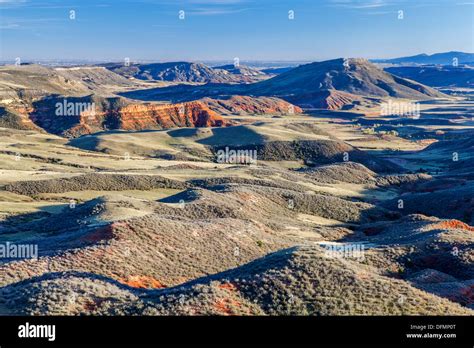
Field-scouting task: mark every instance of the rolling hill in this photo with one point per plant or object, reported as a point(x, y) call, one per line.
point(185, 72)
point(332, 84)
point(357, 77)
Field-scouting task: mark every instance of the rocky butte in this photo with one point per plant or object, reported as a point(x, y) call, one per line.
point(116, 114)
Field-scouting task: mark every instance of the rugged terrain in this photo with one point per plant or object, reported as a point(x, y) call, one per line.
point(188, 72)
point(333, 84)
point(31, 96)
point(134, 210)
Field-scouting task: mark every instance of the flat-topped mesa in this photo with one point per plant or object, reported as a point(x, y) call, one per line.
point(114, 113)
point(190, 114)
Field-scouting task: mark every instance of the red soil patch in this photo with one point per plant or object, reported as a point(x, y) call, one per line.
point(102, 233)
point(143, 282)
point(228, 286)
point(224, 306)
point(245, 196)
point(453, 224)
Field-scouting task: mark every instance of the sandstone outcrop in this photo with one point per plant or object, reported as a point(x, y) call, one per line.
point(115, 113)
point(246, 105)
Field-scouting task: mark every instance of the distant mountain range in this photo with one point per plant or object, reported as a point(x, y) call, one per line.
point(445, 58)
point(437, 76)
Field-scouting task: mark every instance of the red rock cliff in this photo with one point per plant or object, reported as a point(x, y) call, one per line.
point(136, 116)
point(191, 114)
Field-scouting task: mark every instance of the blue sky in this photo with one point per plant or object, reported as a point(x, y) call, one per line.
point(222, 30)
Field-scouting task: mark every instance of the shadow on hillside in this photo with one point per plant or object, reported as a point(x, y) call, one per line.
point(233, 136)
point(332, 114)
point(184, 93)
point(442, 259)
point(53, 233)
point(15, 224)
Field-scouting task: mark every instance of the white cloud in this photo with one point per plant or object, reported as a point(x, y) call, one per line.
point(360, 4)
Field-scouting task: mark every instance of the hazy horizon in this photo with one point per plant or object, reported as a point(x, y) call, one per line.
point(205, 61)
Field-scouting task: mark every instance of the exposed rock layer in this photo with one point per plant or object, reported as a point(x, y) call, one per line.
point(114, 113)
